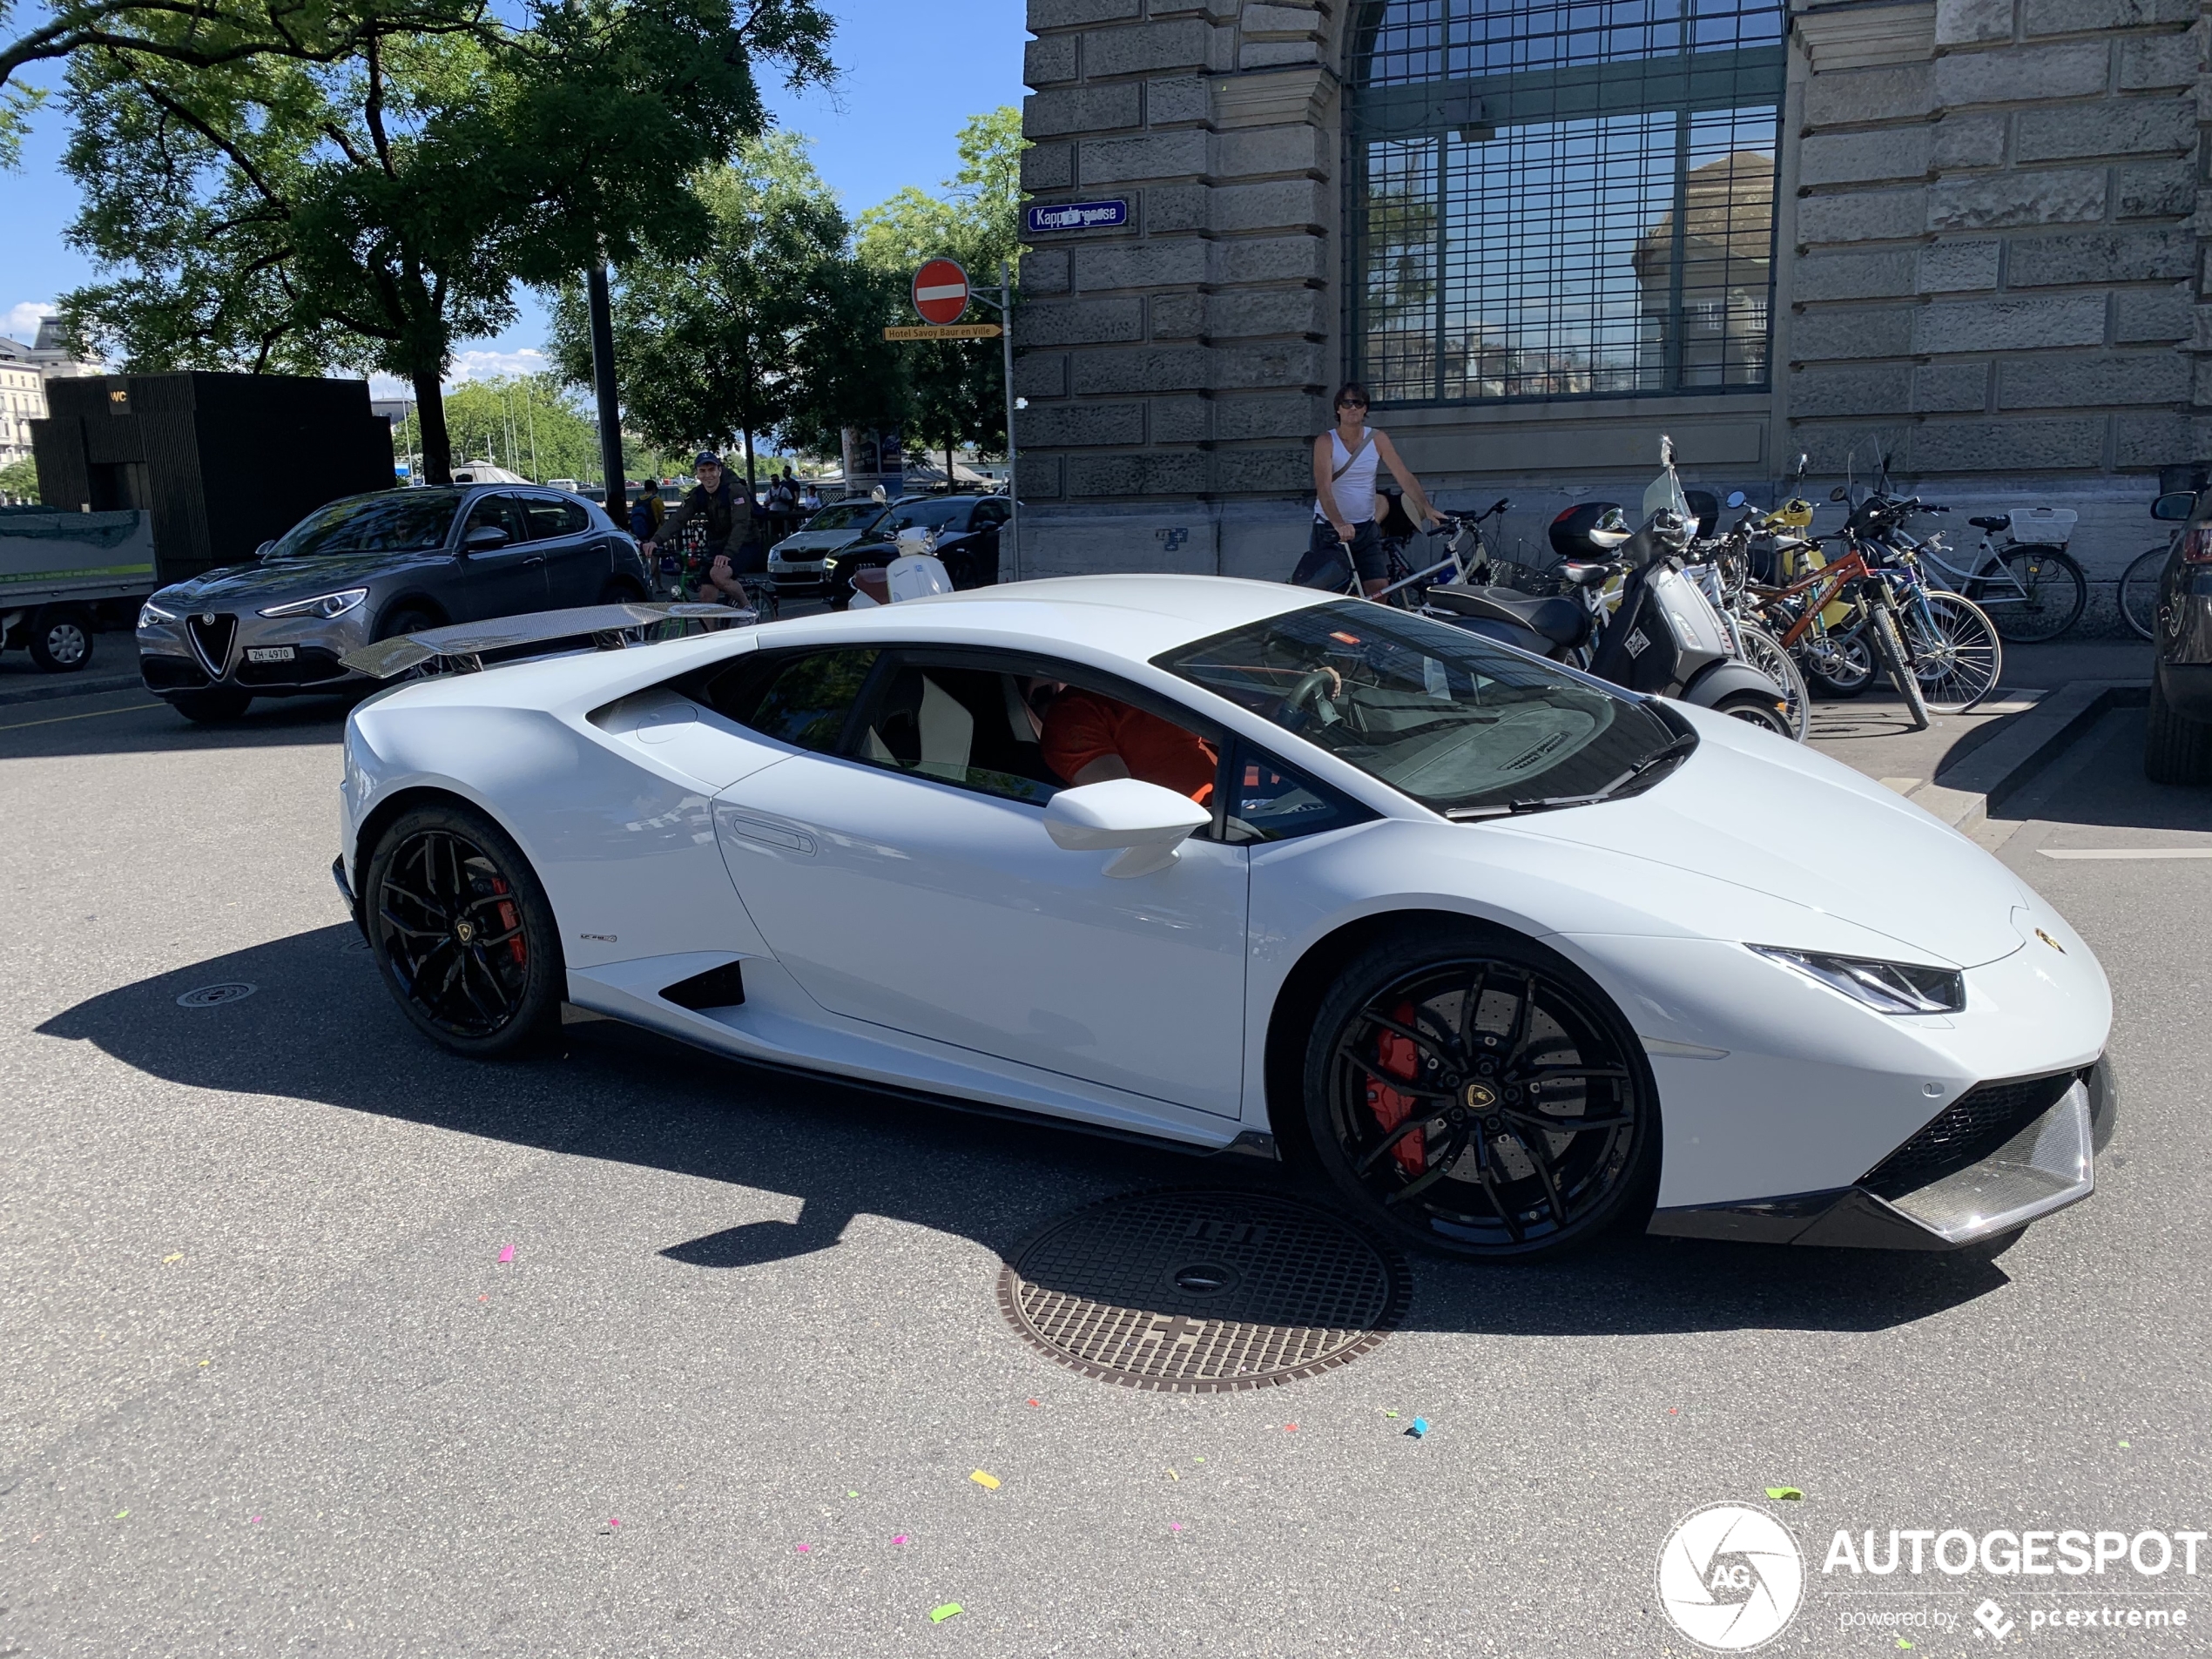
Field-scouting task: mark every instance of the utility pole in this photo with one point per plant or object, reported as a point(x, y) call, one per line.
point(1006, 343)
point(603, 389)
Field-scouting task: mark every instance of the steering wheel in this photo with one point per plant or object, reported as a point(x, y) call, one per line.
point(1310, 686)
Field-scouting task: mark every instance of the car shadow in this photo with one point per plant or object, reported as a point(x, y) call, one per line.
point(133, 721)
point(322, 1027)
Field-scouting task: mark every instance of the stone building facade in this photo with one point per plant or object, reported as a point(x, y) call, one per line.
point(1964, 233)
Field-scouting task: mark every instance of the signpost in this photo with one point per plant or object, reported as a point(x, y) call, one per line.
point(941, 293)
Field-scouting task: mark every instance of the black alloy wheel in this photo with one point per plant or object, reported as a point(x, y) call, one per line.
point(464, 933)
point(1478, 1094)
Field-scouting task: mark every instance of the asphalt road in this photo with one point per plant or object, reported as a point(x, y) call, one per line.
point(270, 1388)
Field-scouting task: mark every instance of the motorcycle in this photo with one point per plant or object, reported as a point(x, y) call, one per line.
point(1629, 614)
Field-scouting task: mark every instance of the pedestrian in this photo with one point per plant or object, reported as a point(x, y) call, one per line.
point(710, 523)
point(1345, 459)
point(642, 520)
point(810, 499)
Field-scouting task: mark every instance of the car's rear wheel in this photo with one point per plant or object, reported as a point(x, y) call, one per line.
point(2175, 749)
point(1479, 1096)
point(464, 933)
point(217, 707)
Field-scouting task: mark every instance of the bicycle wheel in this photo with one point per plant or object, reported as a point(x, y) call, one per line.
point(1956, 653)
point(1763, 651)
point(2051, 593)
point(1882, 626)
point(766, 603)
point(2139, 591)
point(1839, 666)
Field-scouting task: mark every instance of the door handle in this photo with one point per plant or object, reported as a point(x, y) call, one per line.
point(535, 558)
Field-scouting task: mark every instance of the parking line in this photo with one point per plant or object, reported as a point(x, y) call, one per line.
point(2126, 851)
point(94, 714)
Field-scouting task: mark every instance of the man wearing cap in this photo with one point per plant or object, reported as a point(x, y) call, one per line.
point(704, 523)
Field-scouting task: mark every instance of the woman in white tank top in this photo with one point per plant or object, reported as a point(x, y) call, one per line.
point(1345, 459)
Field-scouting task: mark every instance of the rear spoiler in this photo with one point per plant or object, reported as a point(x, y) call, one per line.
point(461, 648)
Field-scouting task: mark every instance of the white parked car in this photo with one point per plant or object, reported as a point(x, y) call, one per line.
point(1511, 955)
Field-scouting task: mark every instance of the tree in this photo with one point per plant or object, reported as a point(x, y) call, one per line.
point(527, 423)
point(773, 329)
point(205, 34)
point(19, 480)
point(956, 387)
point(372, 211)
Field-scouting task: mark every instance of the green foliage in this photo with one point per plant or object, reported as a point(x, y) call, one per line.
point(19, 480)
point(956, 389)
point(527, 423)
point(773, 329)
point(369, 211)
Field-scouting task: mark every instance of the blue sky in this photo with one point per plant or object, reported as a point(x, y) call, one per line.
point(891, 122)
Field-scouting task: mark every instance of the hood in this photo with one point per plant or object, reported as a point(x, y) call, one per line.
point(286, 578)
point(1778, 819)
point(813, 544)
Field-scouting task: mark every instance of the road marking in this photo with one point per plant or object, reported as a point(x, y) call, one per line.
point(2126, 851)
point(57, 720)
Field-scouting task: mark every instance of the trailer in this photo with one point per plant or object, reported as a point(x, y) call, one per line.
point(65, 575)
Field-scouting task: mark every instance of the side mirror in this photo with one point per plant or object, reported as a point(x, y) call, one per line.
point(1736, 498)
point(483, 538)
point(1146, 821)
point(2178, 507)
point(1839, 494)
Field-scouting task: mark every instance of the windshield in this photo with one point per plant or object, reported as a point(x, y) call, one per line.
point(1436, 712)
point(929, 513)
point(845, 515)
point(399, 520)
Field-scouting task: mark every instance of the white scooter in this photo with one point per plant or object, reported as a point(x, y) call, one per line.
point(915, 574)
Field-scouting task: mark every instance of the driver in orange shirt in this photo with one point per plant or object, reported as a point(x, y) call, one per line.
point(1089, 738)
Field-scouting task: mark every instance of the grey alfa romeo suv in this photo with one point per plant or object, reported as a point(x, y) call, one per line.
point(369, 567)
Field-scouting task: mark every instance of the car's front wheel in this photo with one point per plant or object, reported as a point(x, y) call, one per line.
point(1479, 1096)
point(464, 933)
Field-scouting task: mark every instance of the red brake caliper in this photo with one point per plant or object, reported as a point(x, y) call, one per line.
point(510, 921)
point(1398, 1057)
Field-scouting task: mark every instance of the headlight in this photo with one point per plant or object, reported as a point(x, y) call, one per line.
point(1887, 987)
point(829, 564)
point(325, 605)
point(150, 613)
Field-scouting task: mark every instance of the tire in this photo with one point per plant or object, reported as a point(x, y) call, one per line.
point(2056, 588)
point(1962, 664)
point(1501, 1196)
point(216, 707)
point(406, 619)
point(1763, 651)
point(617, 592)
point(1847, 671)
point(61, 640)
point(451, 899)
point(1891, 649)
point(840, 595)
point(2139, 588)
point(1754, 708)
point(2175, 749)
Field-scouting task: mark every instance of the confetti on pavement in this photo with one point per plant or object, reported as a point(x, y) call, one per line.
point(1785, 1494)
point(898, 1538)
point(989, 1482)
point(507, 1252)
point(939, 1614)
point(178, 1257)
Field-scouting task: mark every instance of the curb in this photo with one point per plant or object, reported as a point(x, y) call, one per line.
point(53, 686)
point(1962, 796)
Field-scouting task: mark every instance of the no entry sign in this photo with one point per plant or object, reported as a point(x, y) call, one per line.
point(941, 292)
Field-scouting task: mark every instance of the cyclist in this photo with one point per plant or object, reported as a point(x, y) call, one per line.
point(1345, 459)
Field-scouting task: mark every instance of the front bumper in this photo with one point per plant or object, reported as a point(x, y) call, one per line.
point(188, 655)
point(1948, 1186)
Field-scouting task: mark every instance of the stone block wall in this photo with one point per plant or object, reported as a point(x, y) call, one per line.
point(1996, 266)
point(1187, 356)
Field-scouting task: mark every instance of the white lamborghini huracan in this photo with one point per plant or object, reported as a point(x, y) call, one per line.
point(1512, 955)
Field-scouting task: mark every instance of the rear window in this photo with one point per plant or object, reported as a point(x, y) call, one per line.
point(398, 521)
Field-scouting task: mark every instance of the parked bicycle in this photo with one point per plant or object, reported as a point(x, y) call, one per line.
point(2029, 585)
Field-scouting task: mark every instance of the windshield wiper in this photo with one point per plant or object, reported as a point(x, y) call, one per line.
point(1674, 750)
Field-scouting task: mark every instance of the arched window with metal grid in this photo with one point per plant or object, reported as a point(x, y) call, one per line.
point(1555, 199)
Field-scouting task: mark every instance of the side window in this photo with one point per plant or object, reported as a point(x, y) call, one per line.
point(550, 517)
point(1270, 803)
point(499, 510)
point(802, 700)
point(975, 727)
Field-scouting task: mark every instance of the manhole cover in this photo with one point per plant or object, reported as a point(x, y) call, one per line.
point(1198, 1292)
point(211, 996)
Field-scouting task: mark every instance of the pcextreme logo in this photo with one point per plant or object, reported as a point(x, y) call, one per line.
point(1730, 1578)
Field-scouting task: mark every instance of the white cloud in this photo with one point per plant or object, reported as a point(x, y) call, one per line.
point(22, 320)
point(468, 365)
